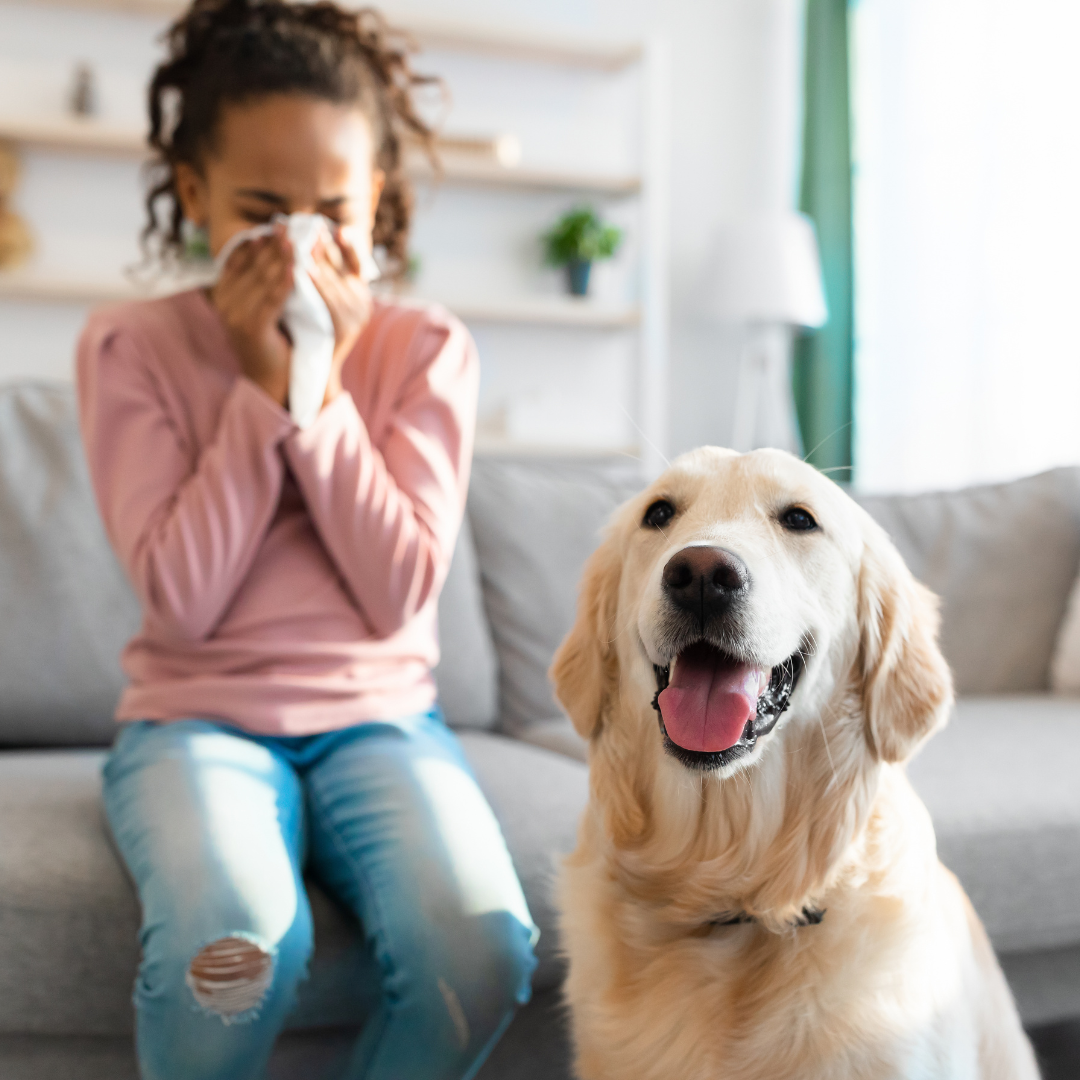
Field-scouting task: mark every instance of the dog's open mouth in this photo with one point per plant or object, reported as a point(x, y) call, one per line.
point(713, 707)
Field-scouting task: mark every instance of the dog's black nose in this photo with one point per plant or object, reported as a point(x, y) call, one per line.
point(705, 580)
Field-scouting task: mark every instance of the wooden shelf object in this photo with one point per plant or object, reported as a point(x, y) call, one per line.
point(543, 311)
point(71, 133)
point(32, 285)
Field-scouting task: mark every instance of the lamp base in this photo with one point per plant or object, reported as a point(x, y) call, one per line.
point(764, 405)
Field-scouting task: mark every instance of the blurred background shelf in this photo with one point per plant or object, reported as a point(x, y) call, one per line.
point(23, 285)
point(436, 34)
point(493, 446)
point(553, 311)
point(72, 133)
point(94, 136)
point(544, 312)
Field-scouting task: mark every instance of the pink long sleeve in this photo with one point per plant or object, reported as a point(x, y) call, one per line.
point(288, 579)
point(185, 522)
point(389, 518)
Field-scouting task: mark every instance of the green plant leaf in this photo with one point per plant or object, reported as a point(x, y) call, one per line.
point(580, 235)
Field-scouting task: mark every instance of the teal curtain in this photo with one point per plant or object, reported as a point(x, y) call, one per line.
point(823, 365)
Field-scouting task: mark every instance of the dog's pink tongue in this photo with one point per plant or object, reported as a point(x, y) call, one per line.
point(709, 699)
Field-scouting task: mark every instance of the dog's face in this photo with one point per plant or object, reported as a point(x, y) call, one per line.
point(741, 595)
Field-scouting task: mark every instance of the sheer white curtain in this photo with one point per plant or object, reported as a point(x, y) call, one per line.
point(967, 221)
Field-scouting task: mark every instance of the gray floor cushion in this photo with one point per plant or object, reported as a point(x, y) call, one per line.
point(68, 915)
point(1002, 783)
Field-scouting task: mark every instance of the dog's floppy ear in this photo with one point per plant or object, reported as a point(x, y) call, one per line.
point(906, 684)
point(585, 668)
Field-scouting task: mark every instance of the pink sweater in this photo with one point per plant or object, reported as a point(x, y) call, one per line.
point(288, 578)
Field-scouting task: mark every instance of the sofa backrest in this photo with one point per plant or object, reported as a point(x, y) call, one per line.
point(67, 610)
point(1003, 558)
point(536, 519)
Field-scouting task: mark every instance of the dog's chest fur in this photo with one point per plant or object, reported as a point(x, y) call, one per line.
point(742, 1002)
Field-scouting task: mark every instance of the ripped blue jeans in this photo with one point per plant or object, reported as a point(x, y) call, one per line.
point(217, 828)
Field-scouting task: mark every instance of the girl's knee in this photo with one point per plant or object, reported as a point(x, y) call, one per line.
point(230, 977)
point(471, 986)
point(506, 958)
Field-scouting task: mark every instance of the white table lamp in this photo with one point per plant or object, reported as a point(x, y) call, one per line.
point(767, 277)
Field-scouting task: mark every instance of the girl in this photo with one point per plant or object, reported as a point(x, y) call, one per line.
point(281, 714)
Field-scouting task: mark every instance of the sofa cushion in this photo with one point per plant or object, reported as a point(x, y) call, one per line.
point(468, 673)
point(1000, 782)
point(66, 609)
point(536, 521)
point(1003, 559)
point(69, 916)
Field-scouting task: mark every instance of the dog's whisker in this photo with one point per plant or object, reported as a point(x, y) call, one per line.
point(831, 435)
point(649, 441)
point(746, 778)
point(828, 750)
point(618, 633)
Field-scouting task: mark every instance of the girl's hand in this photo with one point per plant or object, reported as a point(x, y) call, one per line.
point(249, 296)
point(336, 275)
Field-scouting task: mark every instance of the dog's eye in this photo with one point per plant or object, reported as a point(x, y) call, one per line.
point(659, 514)
point(797, 519)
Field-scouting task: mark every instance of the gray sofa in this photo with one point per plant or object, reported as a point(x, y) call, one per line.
point(1001, 781)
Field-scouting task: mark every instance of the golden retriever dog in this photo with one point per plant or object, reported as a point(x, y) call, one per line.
point(756, 894)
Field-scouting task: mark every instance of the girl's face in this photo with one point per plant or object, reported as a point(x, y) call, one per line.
point(284, 154)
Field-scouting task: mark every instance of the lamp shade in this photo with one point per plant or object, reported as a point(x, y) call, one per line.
point(767, 269)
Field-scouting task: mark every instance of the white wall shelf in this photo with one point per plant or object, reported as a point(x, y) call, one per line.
point(22, 285)
point(553, 311)
point(481, 173)
point(434, 34)
point(487, 446)
point(73, 134)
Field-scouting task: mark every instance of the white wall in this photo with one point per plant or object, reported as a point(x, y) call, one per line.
point(734, 135)
point(735, 125)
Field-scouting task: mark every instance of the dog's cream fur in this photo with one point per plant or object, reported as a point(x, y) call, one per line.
point(899, 979)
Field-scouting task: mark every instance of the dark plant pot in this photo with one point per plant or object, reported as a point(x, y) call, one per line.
point(577, 276)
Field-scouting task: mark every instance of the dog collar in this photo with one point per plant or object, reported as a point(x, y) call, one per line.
point(809, 917)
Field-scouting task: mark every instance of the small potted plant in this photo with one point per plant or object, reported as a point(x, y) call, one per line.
point(578, 239)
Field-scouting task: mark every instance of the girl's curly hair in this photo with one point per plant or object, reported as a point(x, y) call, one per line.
point(228, 51)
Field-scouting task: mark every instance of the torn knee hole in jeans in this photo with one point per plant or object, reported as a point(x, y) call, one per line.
point(230, 976)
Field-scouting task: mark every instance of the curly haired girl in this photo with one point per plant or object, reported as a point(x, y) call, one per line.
point(281, 718)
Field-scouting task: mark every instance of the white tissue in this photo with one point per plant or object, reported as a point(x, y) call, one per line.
point(306, 315)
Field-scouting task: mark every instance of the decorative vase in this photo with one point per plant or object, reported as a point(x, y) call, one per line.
point(577, 276)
